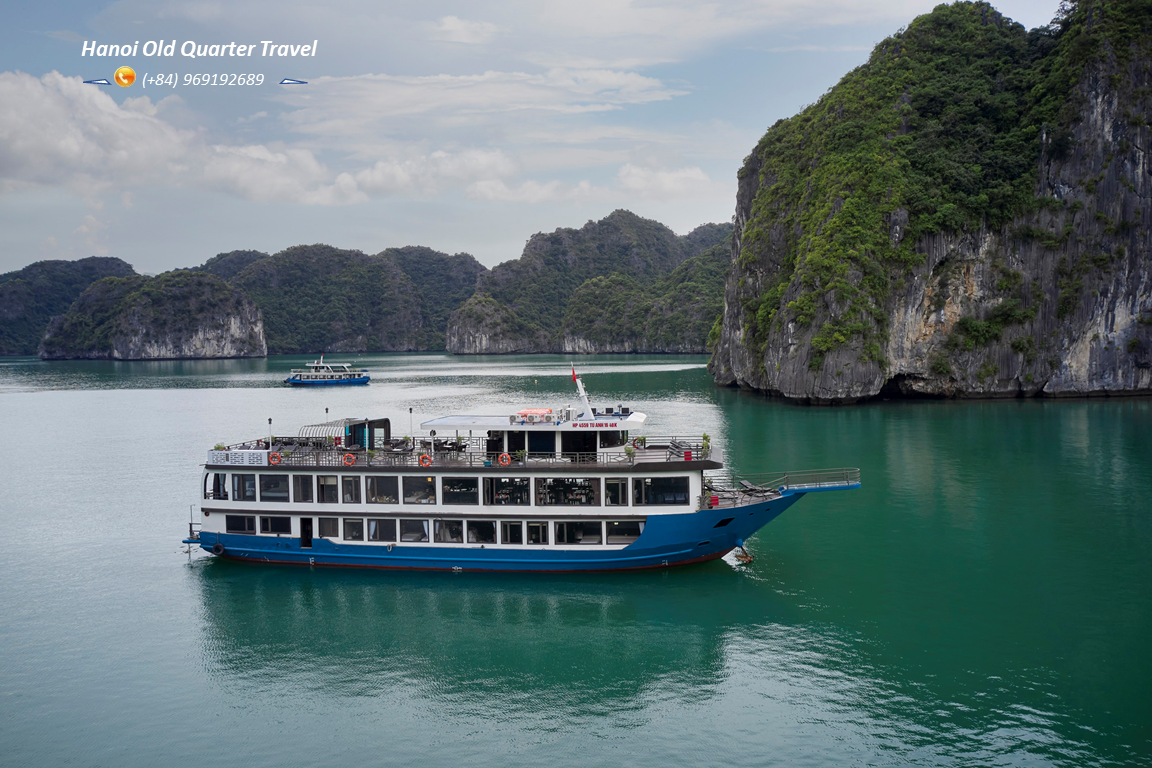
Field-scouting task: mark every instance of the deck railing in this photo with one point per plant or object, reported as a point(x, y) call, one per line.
point(728, 490)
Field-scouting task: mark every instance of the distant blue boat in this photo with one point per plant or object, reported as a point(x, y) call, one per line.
point(322, 374)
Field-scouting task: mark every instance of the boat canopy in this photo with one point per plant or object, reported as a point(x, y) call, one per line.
point(351, 430)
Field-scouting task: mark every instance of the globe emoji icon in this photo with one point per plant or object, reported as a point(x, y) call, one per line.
point(125, 76)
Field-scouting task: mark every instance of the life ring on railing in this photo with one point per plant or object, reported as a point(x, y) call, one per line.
point(217, 548)
point(636, 442)
point(504, 459)
point(425, 460)
point(349, 459)
point(273, 458)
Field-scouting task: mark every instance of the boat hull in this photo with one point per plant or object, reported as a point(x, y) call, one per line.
point(668, 540)
point(333, 383)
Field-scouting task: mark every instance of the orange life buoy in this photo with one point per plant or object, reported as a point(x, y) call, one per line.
point(273, 458)
point(425, 460)
point(504, 459)
point(349, 459)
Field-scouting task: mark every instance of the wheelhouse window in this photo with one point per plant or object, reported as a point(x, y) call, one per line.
point(413, 530)
point(381, 530)
point(616, 492)
point(329, 528)
point(449, 531)
point(660, 490)
point(243, 487)
point(419, 490)
point(542, 443)
point(578, 446)
point(507, 491)
point(275, 525)
point(239, 524)
point(274, 488)
point(568, 491)
point(350, 490)
point(481, 531)
point(538, 533)
point(216, 486)
point(613, 438)
point(353, 529)
point(623, 531)
point(512, 532)
point(302, 488)
point(383, 490)
point(327, 488)
point(461, 490)
point(517, 441)
point(578, 532)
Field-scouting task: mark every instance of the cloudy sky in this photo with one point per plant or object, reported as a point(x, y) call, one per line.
point(460, 126)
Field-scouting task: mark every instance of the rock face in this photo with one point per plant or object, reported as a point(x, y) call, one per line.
point(595, 289)
point(1054, 299)
point(30, 297)
point(177, 315)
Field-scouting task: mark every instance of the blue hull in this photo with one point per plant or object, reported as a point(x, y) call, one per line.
point(335, 383)
point(667, 540)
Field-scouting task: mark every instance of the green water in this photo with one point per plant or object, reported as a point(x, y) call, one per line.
point(984, 599)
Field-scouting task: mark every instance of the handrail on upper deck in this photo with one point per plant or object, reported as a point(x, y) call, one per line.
point(729, 490)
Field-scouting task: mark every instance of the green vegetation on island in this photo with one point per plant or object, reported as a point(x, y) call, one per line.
point(32, 296)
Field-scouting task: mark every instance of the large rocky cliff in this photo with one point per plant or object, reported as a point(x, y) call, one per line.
point(177, 315)
point(31, 297)
point(621, 284)
point(884, 246)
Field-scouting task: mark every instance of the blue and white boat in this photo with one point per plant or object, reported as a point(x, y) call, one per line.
point(322, 374)
point(536, 490)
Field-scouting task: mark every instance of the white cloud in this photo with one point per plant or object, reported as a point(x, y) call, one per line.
point(663, 183)
point(531, 191)
point(453, 29)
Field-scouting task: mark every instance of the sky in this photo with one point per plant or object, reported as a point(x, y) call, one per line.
point(458, 126)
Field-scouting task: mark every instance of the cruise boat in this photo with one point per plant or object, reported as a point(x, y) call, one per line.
point(536, 490)
point(322, 374)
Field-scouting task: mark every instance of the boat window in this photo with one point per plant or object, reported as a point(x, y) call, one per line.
point(578, 532)
point(516, 442)
point(302, 488)
point(329, 527)
point(481, 531)
point(244, 487)
point(350, 490)
point(327, 489)
point(449, 531)
point(383, 490)
point(216, 486)
point(564, 491)
point(381, 530)
point(461, 490)
point(542, 442)
point(512, 532)
point(507, 491)
point(353, 529)
point(413, 530)
point(273, 487)
point(660, 490)
point(538, 533)
point(275, 525)
point(419, 490)
point(611, 438)
point(239, 524)
point(623, 531)
point(616, 492)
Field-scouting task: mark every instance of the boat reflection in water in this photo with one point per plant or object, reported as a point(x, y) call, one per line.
point(555, 643)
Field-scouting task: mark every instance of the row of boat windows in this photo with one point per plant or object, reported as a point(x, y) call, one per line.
point(497, 491)
point(451, 531)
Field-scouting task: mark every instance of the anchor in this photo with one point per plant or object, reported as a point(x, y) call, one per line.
point(743, 555)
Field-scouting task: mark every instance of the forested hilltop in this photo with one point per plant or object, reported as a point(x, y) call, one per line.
point(30, 297)
point(621, 284)
point(965, 214)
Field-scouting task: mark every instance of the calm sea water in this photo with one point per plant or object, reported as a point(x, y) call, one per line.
point(984, 599)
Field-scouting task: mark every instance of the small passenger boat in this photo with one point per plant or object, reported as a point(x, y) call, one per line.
point(535, 490)
point(322, 374)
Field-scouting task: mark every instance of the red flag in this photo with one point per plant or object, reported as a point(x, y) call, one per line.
point(573, 373)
